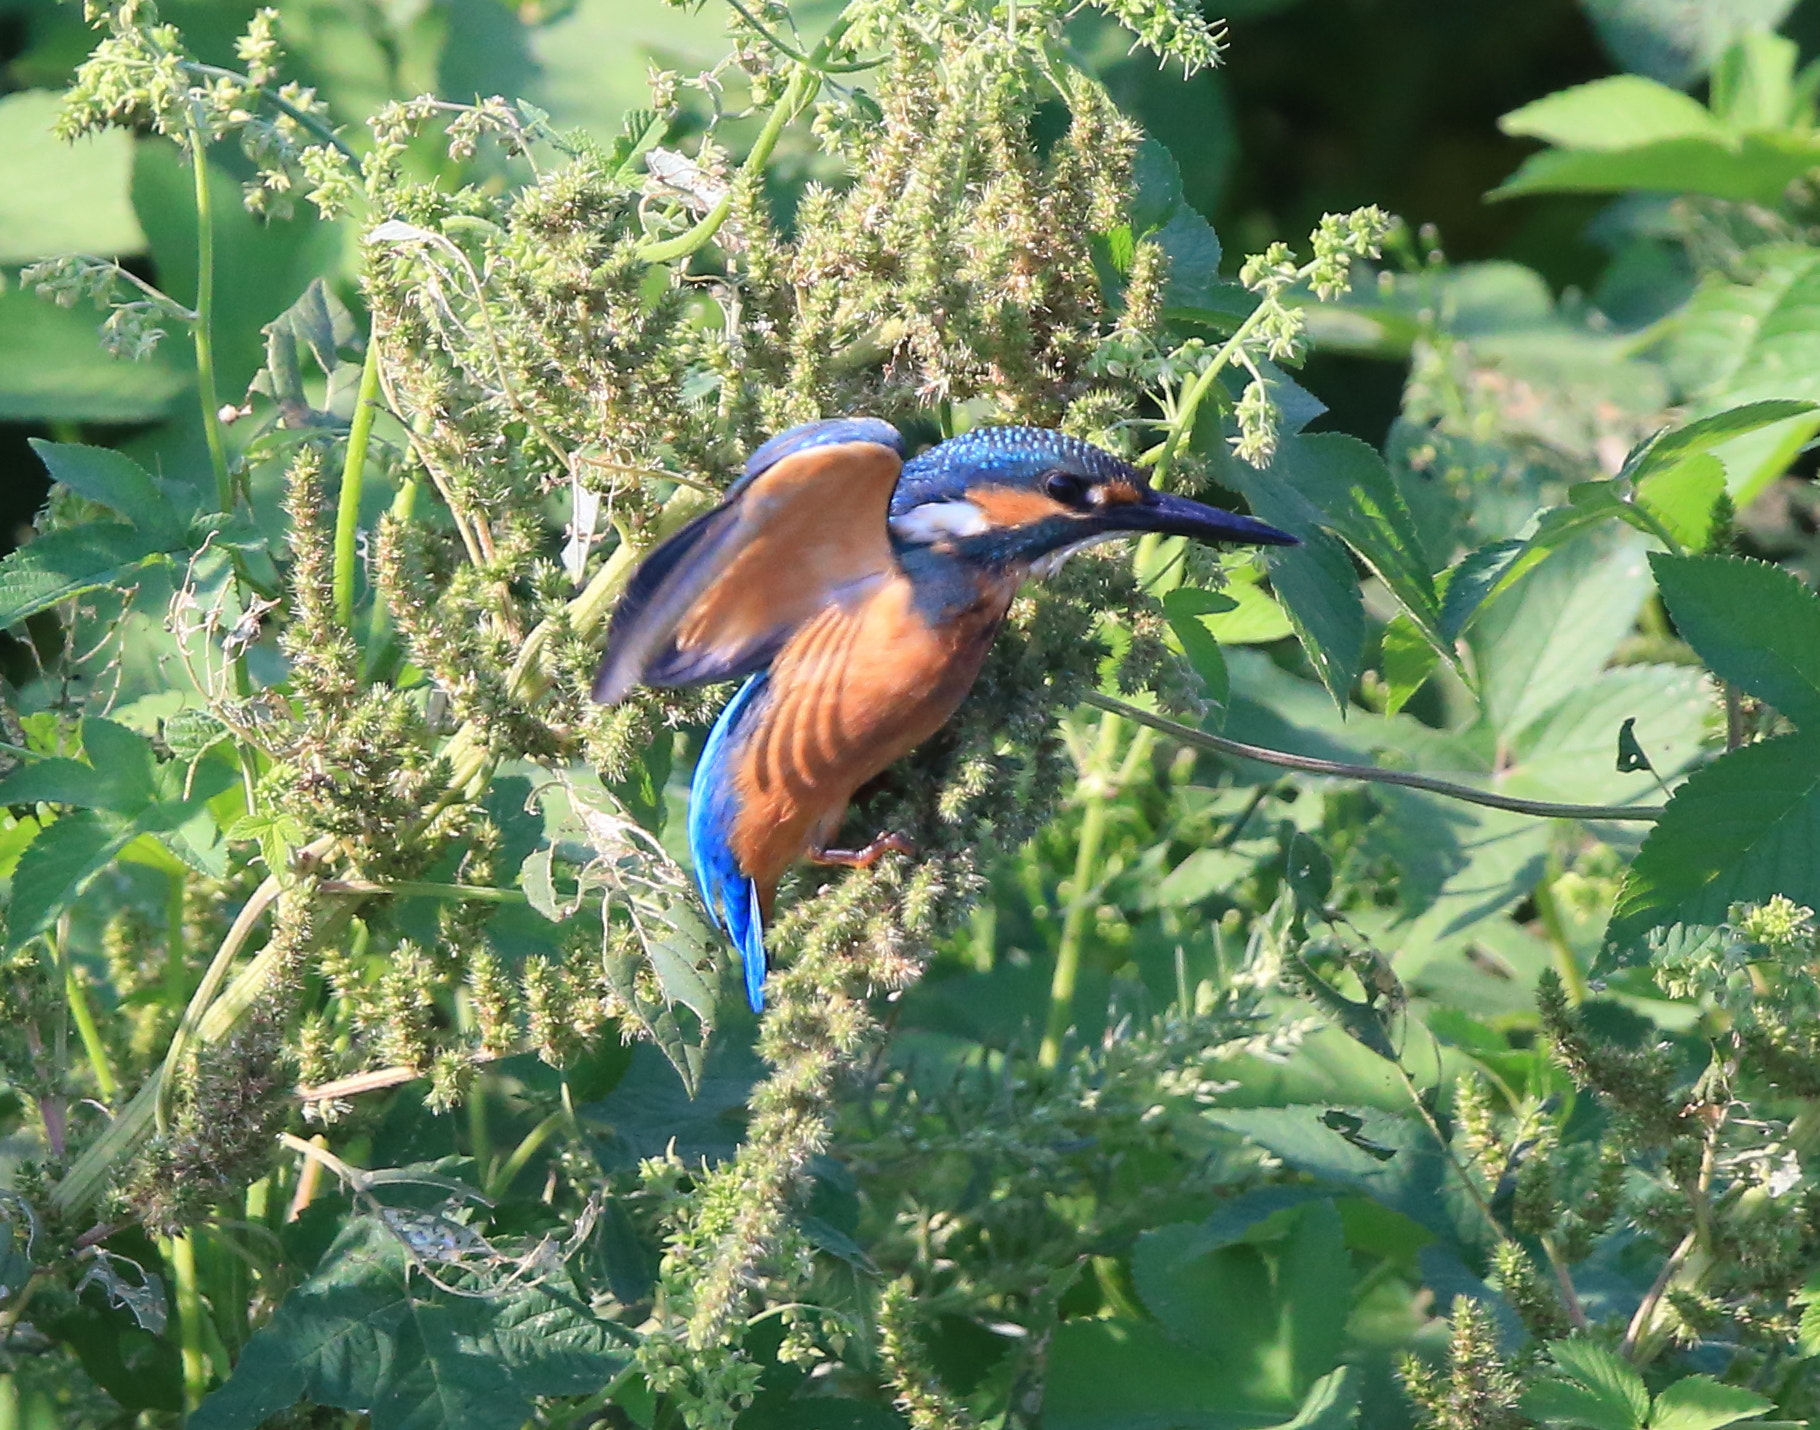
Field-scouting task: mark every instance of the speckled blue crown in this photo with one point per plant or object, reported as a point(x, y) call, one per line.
point(1009, 456)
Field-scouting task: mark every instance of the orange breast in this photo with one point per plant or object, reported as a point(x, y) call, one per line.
point(858, 687)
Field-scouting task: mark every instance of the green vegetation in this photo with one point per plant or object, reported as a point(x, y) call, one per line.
point(1372, 983)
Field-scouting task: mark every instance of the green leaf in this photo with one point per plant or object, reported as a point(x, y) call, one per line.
point(1554, 628)
point(115, 480)
point(1194, 259)
point(1314, 1279)
point(1253, 616)
point(52, 368)
point(1471, 580)
point(1740, 342)
point(1315, 581)
point(1754, 625)
point(1747, 168)
point(1332, 1403)
point(1186, 607)
point(1347, 483)
point(1614, 1397)
point(57, 197)
point(1344, 1147)
point(1674, 445)
point(66, 563)
point(1131, 1375)
point(1684, 498)
point(1745, 827)
point(1409, 658)
point(1698, 1402)
point(56, 867)
point(365, 1333)
point(1611, 115)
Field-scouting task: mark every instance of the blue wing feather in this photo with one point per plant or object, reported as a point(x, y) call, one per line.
point(714, 805)
point(822, 433)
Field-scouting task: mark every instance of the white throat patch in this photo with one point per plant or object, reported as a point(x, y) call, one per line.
point(935, 520)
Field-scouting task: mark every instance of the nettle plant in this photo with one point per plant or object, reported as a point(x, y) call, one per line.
point(370, 1047)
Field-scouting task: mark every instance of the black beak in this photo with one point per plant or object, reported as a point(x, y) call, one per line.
point(1177, 516)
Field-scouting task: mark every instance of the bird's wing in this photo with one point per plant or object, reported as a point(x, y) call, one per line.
point(720, 597)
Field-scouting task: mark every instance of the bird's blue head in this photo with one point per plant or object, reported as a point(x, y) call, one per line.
point(1010, 497)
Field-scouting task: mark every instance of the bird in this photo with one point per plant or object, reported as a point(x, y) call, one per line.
point(858, 595)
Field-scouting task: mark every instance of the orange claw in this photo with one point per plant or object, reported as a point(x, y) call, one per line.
point(867, 857)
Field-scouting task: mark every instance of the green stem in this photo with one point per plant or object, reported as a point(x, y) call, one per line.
point(87, 1029)
point(180, 1252)
point(1082, 895)
point(1567, 962)
point(501, 1180)
point(353, 475)
point(1201, 386)
point(1219, 744)
point(203, 330)
point(802, 86)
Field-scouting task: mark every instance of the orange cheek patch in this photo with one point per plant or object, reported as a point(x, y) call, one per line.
point(1012, 506)
point(1116, 494)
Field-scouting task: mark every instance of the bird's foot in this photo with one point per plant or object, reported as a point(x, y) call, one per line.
point(867, 857)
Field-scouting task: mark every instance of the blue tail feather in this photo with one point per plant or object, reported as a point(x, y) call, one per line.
point(731, 897)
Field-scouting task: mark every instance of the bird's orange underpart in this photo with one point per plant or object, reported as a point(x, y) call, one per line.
point(1116, 493)
point(1014, 507)
point(857, 688)
point(804, 547)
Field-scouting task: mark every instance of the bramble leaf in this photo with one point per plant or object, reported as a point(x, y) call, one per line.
point(366, 1333)
point(1600, 1390)
point(1754, 624)
point(1699, 1402)
point(118, 482)
point(66, 563)
point(1742, 829)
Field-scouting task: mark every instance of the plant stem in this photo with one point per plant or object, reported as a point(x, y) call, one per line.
point(1219, 744)
point(802, 86)
point(500, 1182)
point(353, 475)
point(1567, 962)
point(1082, 894)
point(180, 1252)
point(203, 330)
point(92, 1044)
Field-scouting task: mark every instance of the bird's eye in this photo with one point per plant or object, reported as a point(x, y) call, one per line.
point(1065, 487)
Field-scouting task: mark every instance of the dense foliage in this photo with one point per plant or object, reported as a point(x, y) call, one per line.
point(1372, 983)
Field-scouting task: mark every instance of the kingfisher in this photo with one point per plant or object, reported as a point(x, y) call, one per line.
point(858, 595)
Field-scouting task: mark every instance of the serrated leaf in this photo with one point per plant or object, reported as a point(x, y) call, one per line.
point(1685, 497)
point(1618, 1389)
point(1194, 259)
point(1332, 1403)
point(1568, 1403)
point(116, 481)
point(1674, 445)
point(1698, 1402)
point(1551, 631)
point(1752, 623)
point(1745, 827)
point(57, 865)
point(364, 1334)
point(1187, 607)
point(1315, 581)
point(1347, 1147)
point(1611, 114)
point(1471, 580)
point(66, 563)
point(1409, 658)
point(1349, 485)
